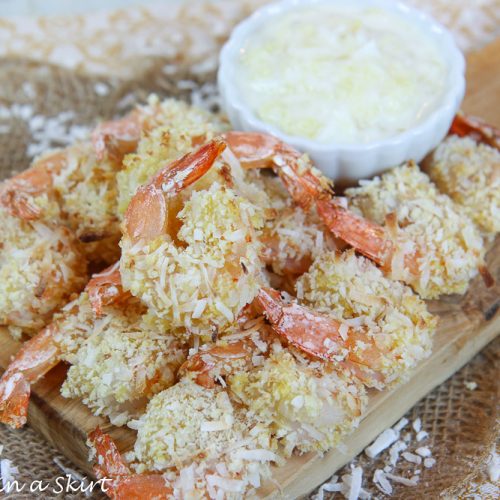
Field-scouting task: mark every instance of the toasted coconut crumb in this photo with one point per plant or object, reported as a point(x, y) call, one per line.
point(384, 314)
point(120, 367)
point(172, 279)
point(308, 407)
point(174, 432)
point(470, 174)
point(451, 245)
point(41, 266)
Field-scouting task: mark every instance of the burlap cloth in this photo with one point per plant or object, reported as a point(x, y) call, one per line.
point(462, 423)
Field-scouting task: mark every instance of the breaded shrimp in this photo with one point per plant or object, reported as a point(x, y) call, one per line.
point(451, 248)
point(386, 326)
point(41, 266)
point(469, 172)
point(403, 222)
point(118, 361)
point(192, 256)
point(122, 364)
point(308, 404)
point(190, 443)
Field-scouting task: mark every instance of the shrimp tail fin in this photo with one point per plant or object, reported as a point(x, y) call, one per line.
point(121, 483)
point(35, 358)
point(14, 399)
point(476, 128)
point(304, 183)
point(366, 237)
point(110, 463)
point(105, 288)
point(118, 137)
point(150, 198)
point(310, 331)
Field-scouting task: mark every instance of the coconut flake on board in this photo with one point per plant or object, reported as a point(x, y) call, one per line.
point(389, 447)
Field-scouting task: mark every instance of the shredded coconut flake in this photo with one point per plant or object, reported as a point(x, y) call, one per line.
point(423, 452)
point(383, 441)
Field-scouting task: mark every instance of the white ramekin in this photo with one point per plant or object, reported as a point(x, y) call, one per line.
point(353, 161)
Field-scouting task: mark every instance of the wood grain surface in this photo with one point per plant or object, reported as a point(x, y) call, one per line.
point(466, 325)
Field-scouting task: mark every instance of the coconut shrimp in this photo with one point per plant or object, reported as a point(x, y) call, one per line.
point(170, 129)
point(70, 188)
point(190, 442)
point(46, 349)
point(194, 259)
point(290, 237)
point(466, 166)
point(400, 240)
point(350, 314)
point(41, 266)
point(57, 215)
point(451, 247)
point(310, 189)
point(117, 361)
point(41, 261)
point(121, 365)
point(308, 404)
point(385, 326)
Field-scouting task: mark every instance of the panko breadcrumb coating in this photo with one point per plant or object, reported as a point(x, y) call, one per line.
point(122, 365)
point(172, 130)
point(75, 323)
point(452, 249)
point(87, 190)
point(201, 281)
point(118, 363)
point(388, 313)
point(41, 266)
point(292, 240)
point(292, 237)
point(469, 173)
point(309, 405)
point(207, 437)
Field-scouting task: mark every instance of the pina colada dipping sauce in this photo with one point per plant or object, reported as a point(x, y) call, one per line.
point(341, 74)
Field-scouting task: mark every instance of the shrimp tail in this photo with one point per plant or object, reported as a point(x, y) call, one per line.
point(319, 335)
point(312, 332)
point(120, 482)
point(37, 356)
point(16, 194)
point(476, 128)
point(366, 237)
point(188, 169)
point(110, 463)
point(14, 400)
point(147, 214)
point(304, 183)
point(117, 138)
point(105, 288)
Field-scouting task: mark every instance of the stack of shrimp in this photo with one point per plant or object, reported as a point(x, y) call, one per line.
point(62, 216)
point(236, 328)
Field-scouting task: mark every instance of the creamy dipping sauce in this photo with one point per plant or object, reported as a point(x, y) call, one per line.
point(341, 74)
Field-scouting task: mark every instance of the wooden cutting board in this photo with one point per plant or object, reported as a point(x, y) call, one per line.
point(466, 325)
